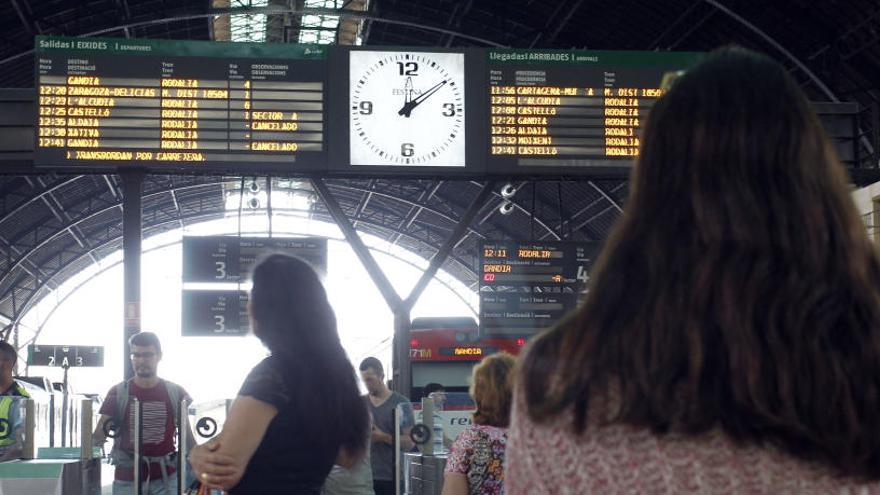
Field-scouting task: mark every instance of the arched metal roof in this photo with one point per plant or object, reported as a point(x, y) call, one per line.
point(53, 226)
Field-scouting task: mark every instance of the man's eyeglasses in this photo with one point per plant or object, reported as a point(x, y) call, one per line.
point(143, 355)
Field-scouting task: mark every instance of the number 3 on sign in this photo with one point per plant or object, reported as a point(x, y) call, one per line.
point(220, 323)
point(221, 269)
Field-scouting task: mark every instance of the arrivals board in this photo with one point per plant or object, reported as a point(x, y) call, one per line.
point(179, 104)
point(230, 258)
point(65, 356)
point(214, 313)
point(570, 110)
point(528, 286)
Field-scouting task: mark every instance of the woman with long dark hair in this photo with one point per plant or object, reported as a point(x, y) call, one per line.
point(730, 339)
point(299, 410)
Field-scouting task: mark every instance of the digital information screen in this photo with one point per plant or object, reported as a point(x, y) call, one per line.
point(179, 104)
point(230, 258)
point(214, 313)
point(65, 356)
point(571, 109)
point(526, 287)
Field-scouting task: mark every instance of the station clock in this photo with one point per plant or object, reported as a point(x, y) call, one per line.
point(406, 108)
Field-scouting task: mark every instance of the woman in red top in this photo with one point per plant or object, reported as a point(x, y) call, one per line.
point(730, 339)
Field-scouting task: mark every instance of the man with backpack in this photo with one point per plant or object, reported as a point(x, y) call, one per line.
point(160, 406)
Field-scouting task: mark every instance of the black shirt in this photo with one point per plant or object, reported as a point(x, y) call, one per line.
point(293, 457)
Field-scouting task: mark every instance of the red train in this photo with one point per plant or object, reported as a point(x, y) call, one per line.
point(444, 349)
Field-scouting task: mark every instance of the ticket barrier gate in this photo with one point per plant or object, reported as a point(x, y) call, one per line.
point(31, 470)
point(205, 427)
point(431, 427)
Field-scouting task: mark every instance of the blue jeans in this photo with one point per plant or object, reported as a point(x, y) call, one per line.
point(157, 487)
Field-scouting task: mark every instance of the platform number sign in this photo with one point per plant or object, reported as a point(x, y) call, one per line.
point(65, 356)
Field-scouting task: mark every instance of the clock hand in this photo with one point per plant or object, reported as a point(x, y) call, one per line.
point(408, 107)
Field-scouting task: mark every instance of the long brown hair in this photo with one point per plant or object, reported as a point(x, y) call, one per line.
point(739, 289)
point(491, 388)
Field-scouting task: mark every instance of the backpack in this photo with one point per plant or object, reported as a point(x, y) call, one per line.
point(121, 458)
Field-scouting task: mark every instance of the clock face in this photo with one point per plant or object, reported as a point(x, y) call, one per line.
point(406, 108)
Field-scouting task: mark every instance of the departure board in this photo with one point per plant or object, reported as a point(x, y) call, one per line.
point(528, 286)
point(571, 109)
point(179, 104)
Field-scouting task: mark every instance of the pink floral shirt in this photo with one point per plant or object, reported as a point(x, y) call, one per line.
point(622, 459)
point(478, 454)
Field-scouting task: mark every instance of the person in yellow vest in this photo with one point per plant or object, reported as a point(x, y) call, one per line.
point(10, 418)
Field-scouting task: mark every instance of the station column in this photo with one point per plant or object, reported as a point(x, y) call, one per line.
point(132, 189)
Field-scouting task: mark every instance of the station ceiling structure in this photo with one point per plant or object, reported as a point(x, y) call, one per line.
point(54, 226)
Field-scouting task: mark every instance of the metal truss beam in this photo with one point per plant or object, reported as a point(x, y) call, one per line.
point(606, 196)
point(795, 60)
point(864, 22)
point(674, 24)
point(540, 34)
point(61, 214)
point(357, 245)
point(586, 222)
point(362, 204)
point(451, 242)
point(37, 197)
point(455, 18)
point(125, 15)
point(586, 208)
point(525, 211)
point(414, 211)
point(409, 202)
point(25, 20)
point(561, 24)
point(24, 256)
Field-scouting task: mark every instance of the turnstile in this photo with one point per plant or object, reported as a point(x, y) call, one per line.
point(424, 473)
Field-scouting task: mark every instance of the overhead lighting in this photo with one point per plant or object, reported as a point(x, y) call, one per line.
point(320, 29)
point(247, 27)
point(508, 191)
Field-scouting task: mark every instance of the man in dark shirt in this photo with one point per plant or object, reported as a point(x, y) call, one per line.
point(381, 401)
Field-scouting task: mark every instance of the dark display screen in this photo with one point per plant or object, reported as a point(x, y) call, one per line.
point(230, 258)
point(526, 287)
point(179, 104)
point(65, 356)
point(214, 313)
